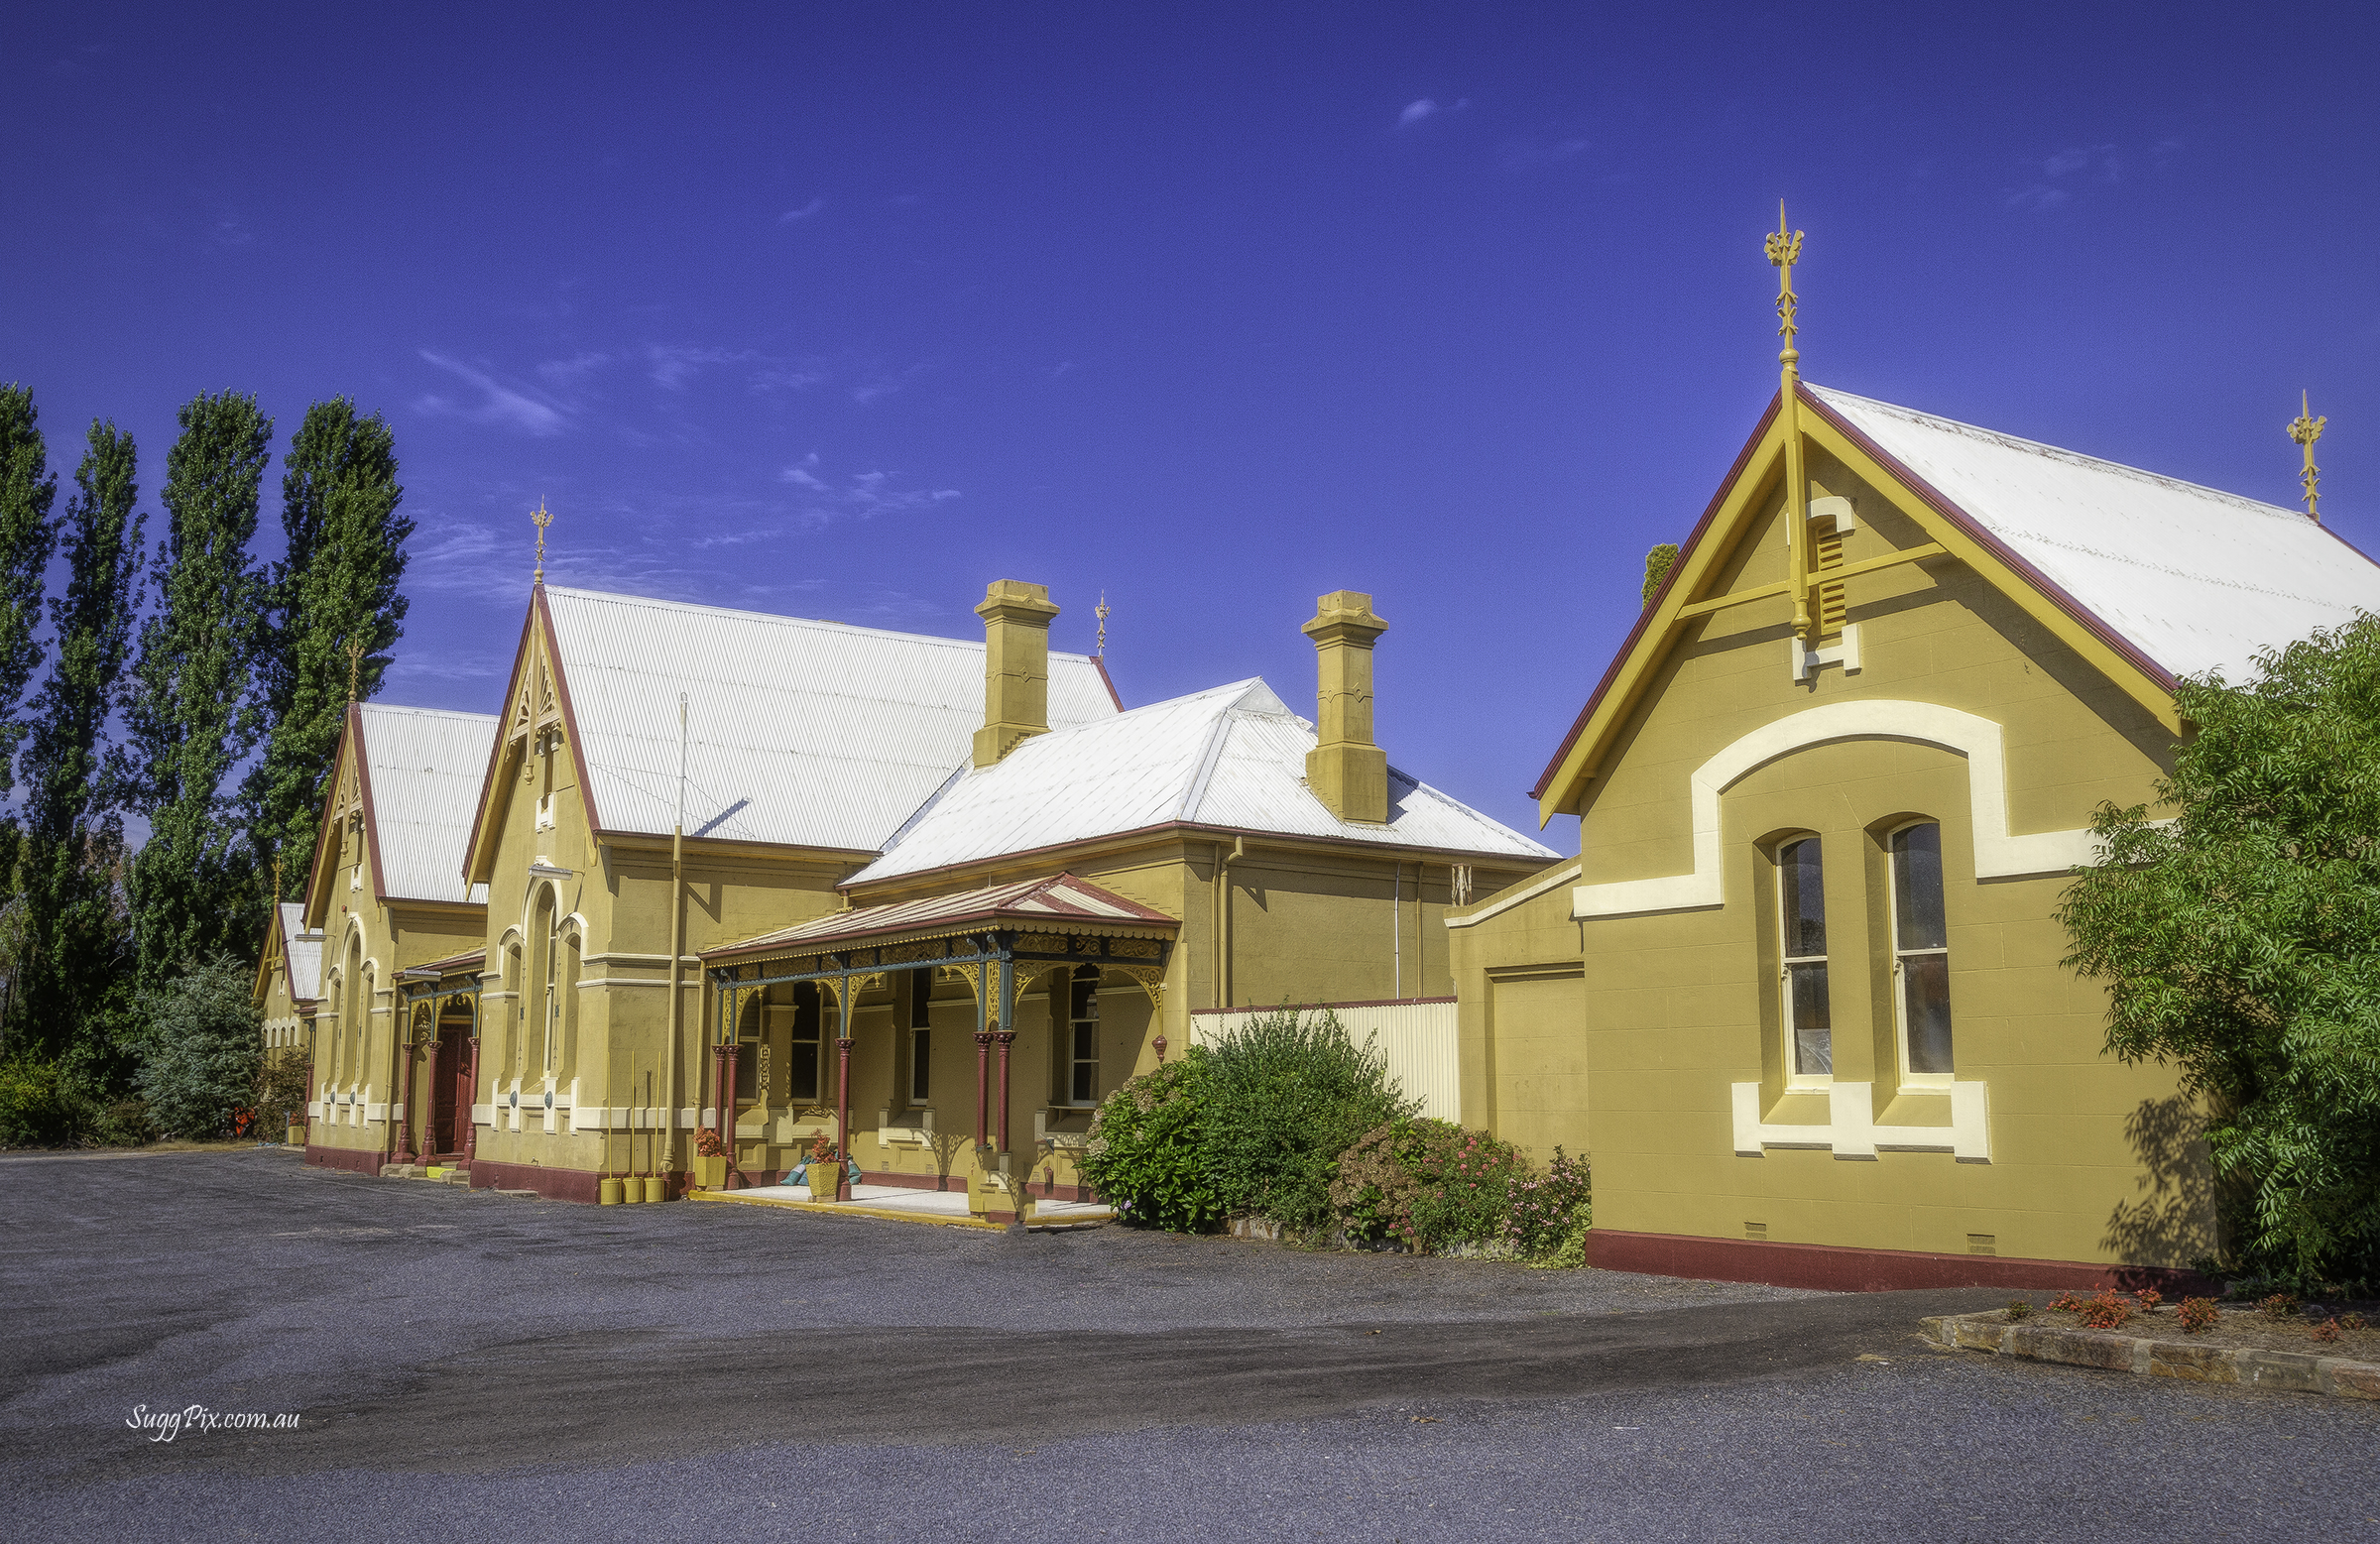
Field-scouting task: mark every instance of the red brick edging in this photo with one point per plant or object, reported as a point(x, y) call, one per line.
point(1831, 1268)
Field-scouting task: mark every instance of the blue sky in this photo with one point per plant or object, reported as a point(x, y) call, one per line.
point(843, 310)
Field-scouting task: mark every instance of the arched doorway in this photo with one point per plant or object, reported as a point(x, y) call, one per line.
point(449, 1127)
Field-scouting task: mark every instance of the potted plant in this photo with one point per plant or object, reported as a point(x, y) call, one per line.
point(709, 1168)
point(822, 1169)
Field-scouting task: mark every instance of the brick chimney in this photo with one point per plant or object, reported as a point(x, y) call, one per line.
point(1346, 771)
point(1015, 666)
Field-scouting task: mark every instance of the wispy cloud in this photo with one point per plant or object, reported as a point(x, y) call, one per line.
point(673, 365)
point(1426, 109)
point(795, 216)
point(863, 496)
point(881, 383)
point(571, 371)
point(503, 405)
point(1530, 151)
point(2065, 173)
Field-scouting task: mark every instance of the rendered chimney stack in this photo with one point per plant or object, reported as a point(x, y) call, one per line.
point(1015, 666)
point(1346, 771)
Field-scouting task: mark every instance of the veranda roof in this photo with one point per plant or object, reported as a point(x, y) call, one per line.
point(1059, 900)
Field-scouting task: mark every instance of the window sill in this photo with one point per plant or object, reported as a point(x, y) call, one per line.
point(1851, 1130)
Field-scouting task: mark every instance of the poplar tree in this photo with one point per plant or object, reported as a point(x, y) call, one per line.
point(191, 713)
point(27, 490)
point(336, 587)
point(74, 968)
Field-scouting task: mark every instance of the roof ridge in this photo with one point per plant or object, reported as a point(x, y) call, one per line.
point(785, 620)
point(400, 707)
point(2058, 452)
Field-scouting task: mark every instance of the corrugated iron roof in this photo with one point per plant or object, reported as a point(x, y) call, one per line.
point(1059, 899)
point(426, 767)
point(2195, 578)
point(303, 952)
point(1233, 757)
point(801, 733)
point(450, 964)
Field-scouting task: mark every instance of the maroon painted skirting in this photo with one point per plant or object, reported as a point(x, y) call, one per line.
point(1833, 1268)
point(550, 1184)
point(355, 1160)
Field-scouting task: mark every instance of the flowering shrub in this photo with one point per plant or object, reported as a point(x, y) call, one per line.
point(707, 1143)
point(2105, 1311)
point(822, 1149)
point(2281, 1305)
point(2198, 1315)
point(2322, 1331)
point(1545, 1209)
point(2148, 1298)
point(1145, 1152)
point(2066, 1303)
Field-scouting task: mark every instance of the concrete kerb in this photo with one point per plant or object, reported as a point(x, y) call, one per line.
point(2293, 1371)
point(843, 1208)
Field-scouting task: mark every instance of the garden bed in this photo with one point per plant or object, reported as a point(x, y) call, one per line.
point(2276, 1345)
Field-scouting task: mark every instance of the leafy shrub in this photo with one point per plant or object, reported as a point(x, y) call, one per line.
point(1571, 1252)
point(2148, 1298)
point(1545, 1209)
point(204, 1050)
point(40, 1105)
point(280, 1094)
point(2019, 1308)
point(2105, 1311)
point(126, 1122)
point(2322, 1331)
point(2281, 1305)
point(2066, 1303)
point(2198, 1315)
point(2351, 1321)
point(707, 1143)
point(1146, 1151)
point(1286, 1095)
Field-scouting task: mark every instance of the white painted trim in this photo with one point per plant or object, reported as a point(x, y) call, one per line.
point(1804, 662)
point(636, 980)
point(1850, 1130)
point(1561, 875)
point(1998, 855)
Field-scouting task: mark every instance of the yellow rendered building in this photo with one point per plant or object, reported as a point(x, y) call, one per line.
point(398, 935)
point(706, 834)
point(1800, 998)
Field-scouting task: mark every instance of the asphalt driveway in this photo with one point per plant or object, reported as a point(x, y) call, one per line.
point(468, 1365)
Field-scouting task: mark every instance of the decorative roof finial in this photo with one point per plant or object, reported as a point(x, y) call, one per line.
point(277, 879)
point(1101, 611)
point(540, 519)
point(2306, 428)
point(355, 657)
point(1784, 250)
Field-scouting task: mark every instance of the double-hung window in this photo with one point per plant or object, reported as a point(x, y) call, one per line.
point(1802, 913)
point(1082, 1067)
point(921, 1033)
point(1921, 955)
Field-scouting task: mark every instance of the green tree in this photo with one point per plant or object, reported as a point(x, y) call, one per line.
point(336, 586)
point(75, 954)
point(191, 714)
point(1657, 564)
point(202, 1049)
point(27, 490)
point(1287, 1093)
point(2240, 943)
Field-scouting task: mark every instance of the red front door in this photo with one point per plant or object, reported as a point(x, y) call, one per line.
point(450, 1107)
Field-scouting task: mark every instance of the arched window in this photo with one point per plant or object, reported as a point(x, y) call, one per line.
point(569, 993)
point(542, 1023)
point(1082, 1038)
point(1802, 918)
point(352, 1003)
point(515, 977)
point(1921, 954)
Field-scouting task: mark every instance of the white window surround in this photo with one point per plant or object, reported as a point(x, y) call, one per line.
point(1998, 855)
point(1850, 1130)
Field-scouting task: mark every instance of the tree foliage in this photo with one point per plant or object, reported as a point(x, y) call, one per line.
point(336, 585)
point(202, 1051)
point(27, 490)
point(191, 714)
point(1657, 564)
point(1292, 1092)
point(2240, 943)
point(75, 953)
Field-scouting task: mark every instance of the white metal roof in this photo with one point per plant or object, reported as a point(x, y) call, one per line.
point(2193, 578)
point(1233, 757)
point(302, 950)
point(810, 734)
point(426, 768)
